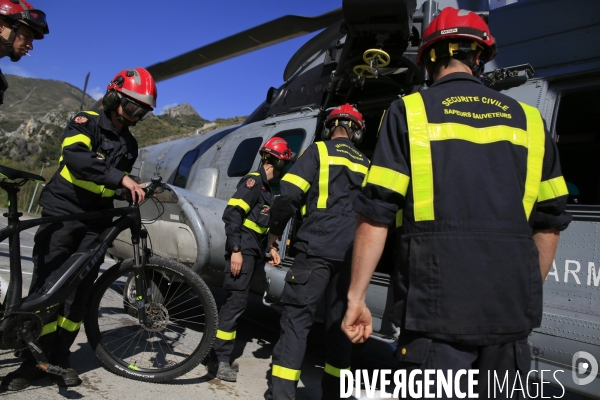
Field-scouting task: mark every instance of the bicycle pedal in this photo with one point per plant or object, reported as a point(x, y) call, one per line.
point(51, 369)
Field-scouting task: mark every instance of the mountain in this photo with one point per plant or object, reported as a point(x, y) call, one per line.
point(36, 111)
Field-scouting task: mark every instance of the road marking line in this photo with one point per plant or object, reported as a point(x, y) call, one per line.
point(23, 272)
point(6, 244)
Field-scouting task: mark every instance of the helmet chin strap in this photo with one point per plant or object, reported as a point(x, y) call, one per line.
point(9, 43)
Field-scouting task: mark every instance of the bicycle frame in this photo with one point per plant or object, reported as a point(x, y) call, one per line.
point(81, 262)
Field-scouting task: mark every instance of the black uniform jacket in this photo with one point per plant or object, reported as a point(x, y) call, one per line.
point(323, 183)
point(94, 158)
point(247, 214)
point(466, 174)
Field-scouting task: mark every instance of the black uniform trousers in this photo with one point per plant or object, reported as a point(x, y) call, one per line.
point(510, 361)
point(237, 299)
point(54, 244)
point(309, 279)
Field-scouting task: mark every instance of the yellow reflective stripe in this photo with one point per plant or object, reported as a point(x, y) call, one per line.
point(81, 138)
point(535, 156)
point(87, 185)
point(67, 324)
point(354, 167)
point(296, 181)
point(388, 178)
point(254, 173)
point(323, 175)
point(49, 328)
point(303, 210)
point(421, 133)
point(225, 335)
point(286, 373)
point(381, 122)
point(255, 227)
point(91, 113)
point(239, 203)
point(420, 156)
point(331, 370)
point(399, 219)
point(553, 188)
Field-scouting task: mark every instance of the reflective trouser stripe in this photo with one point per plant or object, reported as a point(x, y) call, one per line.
point(553, 188)
point(286, 373)
point(67, 324)
point(225, 335)
point(81, 138)
point(255, 227)
point(323, 176)
point(239, 203)
point(331, 370)
point(296, 181)
point(421, 133)
point(87, 185)
point(49, 328)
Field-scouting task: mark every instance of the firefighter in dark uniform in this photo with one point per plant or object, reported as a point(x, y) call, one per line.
point(20, 25)
point(473, 183)
point(323, 185)
point(97, 154)
point(246, 220)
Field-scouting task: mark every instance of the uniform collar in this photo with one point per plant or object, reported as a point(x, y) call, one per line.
point(263, 175)
point(106, 124)
point(456, 76)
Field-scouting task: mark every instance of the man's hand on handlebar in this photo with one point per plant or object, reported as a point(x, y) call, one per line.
point(137, 191)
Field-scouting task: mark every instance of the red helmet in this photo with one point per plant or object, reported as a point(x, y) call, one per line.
point(137, 84)
point(22, 12)
point(458, 24)
point(348, 112)
point(278, 148)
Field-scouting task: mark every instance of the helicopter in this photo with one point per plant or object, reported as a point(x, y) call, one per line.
point(365, 55)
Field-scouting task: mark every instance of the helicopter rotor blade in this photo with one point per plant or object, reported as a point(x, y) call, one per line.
point(267, 34)
point(87, 78)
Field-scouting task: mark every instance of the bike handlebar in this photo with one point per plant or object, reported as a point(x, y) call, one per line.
point(155, 186)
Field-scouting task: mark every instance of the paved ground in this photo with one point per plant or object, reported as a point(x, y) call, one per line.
point(258, 331)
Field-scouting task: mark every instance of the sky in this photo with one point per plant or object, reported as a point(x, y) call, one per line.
point(104, 37)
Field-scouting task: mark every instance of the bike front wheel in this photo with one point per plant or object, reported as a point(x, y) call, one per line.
point(182, 325)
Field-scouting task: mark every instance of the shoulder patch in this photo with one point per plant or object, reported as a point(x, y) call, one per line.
point(80, 119)
point(250, 183)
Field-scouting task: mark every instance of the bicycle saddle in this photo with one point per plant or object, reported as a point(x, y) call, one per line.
point(13, 174)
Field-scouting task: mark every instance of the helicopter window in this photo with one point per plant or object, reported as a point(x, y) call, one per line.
point(185, 166)
point(578, 132)
point(244, 156)
point(294, 138)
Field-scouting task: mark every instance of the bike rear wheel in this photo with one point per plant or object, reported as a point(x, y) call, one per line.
point(183, 324)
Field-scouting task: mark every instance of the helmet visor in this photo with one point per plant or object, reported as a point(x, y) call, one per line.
point(34, 18)
point(133, 109)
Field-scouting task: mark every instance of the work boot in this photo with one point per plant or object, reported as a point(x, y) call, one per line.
point(222, 370)
point(71, 378)
point(24, 376)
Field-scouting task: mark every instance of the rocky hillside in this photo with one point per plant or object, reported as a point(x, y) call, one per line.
point(36, 111)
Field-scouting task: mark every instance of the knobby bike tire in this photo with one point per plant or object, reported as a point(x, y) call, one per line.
point(182, 308)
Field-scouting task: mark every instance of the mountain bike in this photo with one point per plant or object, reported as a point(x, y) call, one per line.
point(150, 318)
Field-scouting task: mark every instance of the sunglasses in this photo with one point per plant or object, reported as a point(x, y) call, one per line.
point(134, 109)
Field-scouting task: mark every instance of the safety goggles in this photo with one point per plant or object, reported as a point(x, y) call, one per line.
point(35, 18)
point(133, 109)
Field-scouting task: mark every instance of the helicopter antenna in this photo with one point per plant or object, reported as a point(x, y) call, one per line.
point(87, 78)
